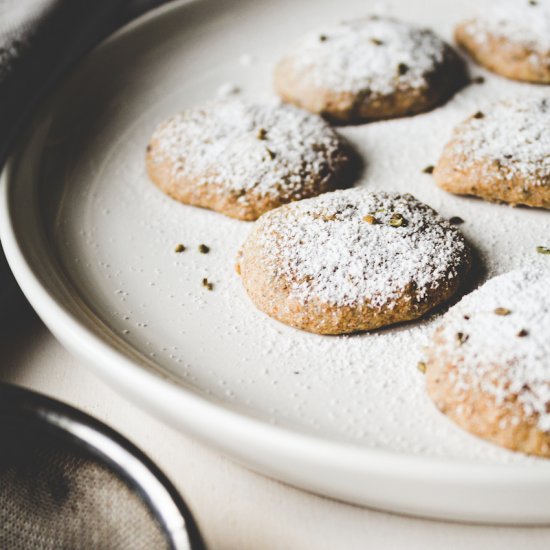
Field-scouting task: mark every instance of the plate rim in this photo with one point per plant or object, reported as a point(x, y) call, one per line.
point(204, 418)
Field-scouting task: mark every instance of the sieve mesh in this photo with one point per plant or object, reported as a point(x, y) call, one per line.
point(57, 492)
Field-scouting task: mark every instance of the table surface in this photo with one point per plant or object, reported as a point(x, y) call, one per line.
point(235, 508)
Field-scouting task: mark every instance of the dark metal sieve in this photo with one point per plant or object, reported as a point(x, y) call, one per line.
point(67, 481)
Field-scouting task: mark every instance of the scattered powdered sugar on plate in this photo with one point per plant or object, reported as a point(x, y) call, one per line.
point(504, 348)
point(523, 22)
point(246, 60)
point(273, 149)
point(227, 89)
point(513, 133)
point(377, 53)
point(355, 246)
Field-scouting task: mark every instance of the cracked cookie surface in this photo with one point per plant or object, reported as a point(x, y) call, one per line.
point(352, 261)
point(243, 159)
point(501, 153)
point(369, 69)
point(488, 367)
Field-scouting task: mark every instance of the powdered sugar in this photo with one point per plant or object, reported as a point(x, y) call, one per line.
point(513, 133)
point(330, 252)
point(523, 22)
point(227, 89)
point(378, 54)
point(363, 390)
point(509, 353)
point(273, 149)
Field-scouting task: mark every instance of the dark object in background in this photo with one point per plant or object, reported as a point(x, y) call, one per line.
point(69, 481)
point(10, 295)
point(40, 40)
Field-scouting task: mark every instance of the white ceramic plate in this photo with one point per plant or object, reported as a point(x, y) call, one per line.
point(91, 242)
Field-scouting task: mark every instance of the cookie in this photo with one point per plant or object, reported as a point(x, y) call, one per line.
point(243, 159)
point(488, 365)
point(501, 154)
point(369, 69)
point(352, 261)
point(510, 38)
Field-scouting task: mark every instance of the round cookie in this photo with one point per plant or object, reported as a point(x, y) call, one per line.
point(243, 159)
point(510, 38)
point(369, 69)
point(352, 261)
point(488, 365)
point(501, 154)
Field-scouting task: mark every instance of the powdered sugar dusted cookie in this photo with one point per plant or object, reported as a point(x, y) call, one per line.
point(501, 153)
point(243, 159)
point(511, 38)
point(488, 366)
point(369, 69)
point(352, 261)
